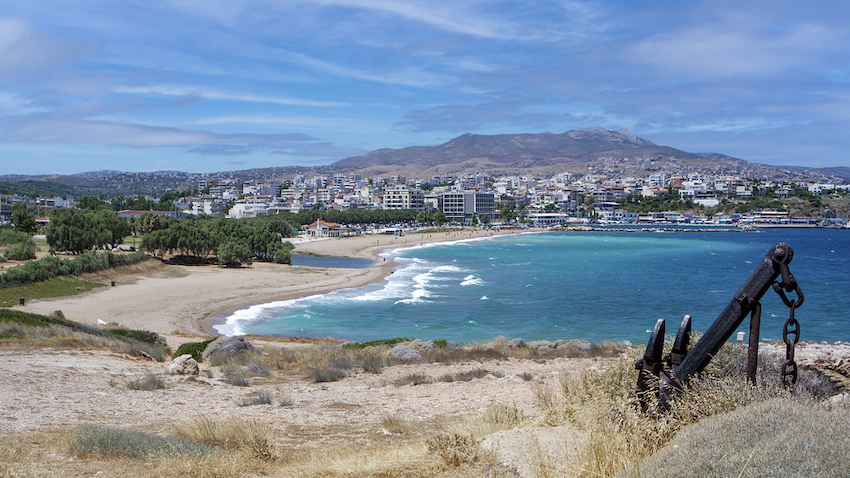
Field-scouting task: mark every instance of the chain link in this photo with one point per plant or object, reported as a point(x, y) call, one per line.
point(791, 329)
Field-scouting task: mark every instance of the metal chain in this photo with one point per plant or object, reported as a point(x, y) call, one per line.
point(791, 329)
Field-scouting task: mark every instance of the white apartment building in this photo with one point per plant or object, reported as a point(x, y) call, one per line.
point(402, 197)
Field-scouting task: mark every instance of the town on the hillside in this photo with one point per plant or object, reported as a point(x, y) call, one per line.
point(486, 199)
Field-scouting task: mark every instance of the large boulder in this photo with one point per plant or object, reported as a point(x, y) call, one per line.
point(405, 353)
point(184, 365)
point(227, 346)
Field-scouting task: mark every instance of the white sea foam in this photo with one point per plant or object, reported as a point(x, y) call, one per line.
point(484, 297)
point(472, 280)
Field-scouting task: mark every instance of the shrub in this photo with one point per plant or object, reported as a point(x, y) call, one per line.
point(195, 349)
point(454, 449)
point(258, 368)
point(47, 267)
point(412, 379)
point(363, 345)
point(372, 363)
point(143, 336)
point(235, 375)
point(149, 382)
point(115, 443)
point(22, 251)
point(441, 343)
point(326, 373)
point(256, 398)
point(395, 423)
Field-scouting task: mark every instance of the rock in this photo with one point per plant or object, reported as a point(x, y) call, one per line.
point(146, 356)
point(558, 343)
point(58, 314)
point(228, 346)
point(516, 343)
point(538, 344)
point(184, 365)
point(422, 345)
point(100, 322)
point(581, 345)
point(405, 353)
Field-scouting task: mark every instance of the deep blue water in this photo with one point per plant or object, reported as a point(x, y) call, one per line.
point(587, 285)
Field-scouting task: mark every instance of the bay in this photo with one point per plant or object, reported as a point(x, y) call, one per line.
point(585, 285)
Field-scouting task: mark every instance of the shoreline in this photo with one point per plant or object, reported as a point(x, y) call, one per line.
point(179, 301)
point(372, 252)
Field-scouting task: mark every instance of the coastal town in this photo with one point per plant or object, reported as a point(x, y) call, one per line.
point(567, 199)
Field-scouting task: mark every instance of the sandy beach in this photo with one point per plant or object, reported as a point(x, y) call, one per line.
point(186, 301)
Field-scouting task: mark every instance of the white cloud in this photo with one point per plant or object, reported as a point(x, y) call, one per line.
point(732, 46)
point(23, 49)
point(200, 92)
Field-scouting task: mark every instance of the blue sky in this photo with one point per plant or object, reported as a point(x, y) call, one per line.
point(213, 85)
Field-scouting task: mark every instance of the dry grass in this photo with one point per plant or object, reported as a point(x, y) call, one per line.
point(396, 424)
point(148, 383)
point(604, 405)
point(784, 437)
point(232, 434)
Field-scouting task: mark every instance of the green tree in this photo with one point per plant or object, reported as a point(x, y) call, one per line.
point(92, 203)
point(79, 231)
point(232, 254)
point(23, 219)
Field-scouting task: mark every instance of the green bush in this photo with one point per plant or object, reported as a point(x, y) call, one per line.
point(144, 336)
point(23, 251)
point(195, 349)
point(363, 345)
point(47, 267)
point(115, 443)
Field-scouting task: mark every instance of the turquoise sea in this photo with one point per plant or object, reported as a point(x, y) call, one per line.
point(586, 285)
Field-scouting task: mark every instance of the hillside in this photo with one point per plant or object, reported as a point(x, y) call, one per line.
point(539, 153)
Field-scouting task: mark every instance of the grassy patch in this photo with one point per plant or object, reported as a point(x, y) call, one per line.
point(102, 442)
point(396, 424)
point(22, 326)
point(54, 287)
point(232, 434)
point(778, 438)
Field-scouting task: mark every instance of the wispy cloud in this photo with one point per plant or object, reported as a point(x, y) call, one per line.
point(24, 50)
point(200, 92)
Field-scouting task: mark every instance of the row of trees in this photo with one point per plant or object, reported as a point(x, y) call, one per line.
point(80, 231)
point(229, 240)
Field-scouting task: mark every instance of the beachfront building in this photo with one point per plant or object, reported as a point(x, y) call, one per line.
point(322, 228)
point(402, 197)
point(249, 208)
point(464, 206)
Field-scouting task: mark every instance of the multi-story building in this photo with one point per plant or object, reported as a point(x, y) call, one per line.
point(463, 206)
point(402, 197)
